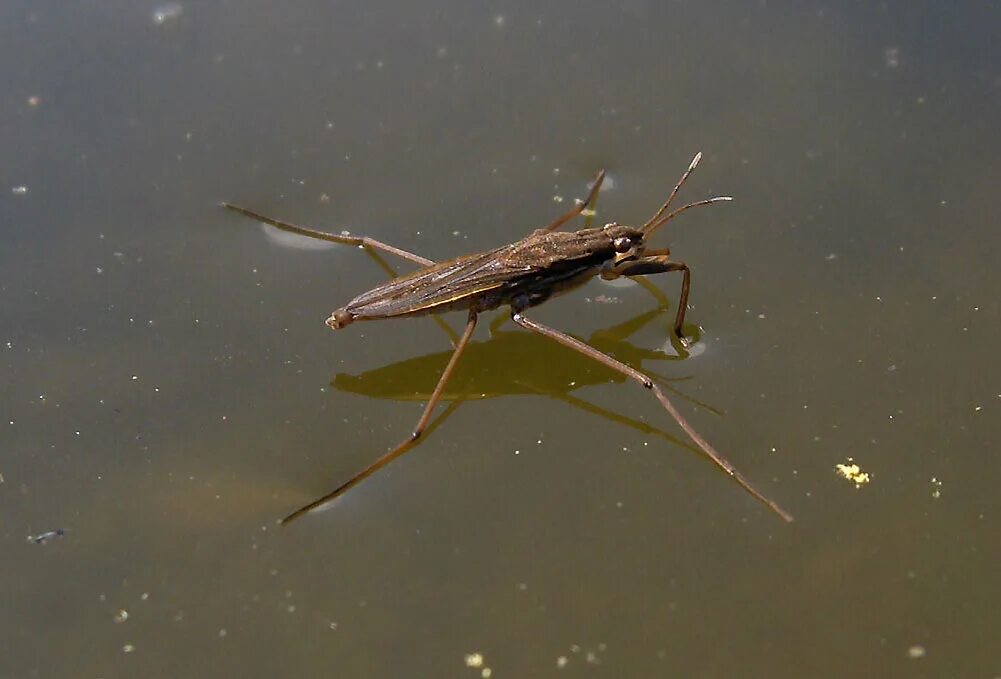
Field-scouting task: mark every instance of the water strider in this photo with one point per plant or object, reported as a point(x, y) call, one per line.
point(520, 275)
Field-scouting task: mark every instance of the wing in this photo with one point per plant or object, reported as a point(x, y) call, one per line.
point(443, 284)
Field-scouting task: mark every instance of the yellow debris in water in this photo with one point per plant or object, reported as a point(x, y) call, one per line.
point(852, 472)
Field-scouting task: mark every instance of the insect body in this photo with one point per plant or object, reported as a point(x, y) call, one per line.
point(525, 273)
point(521, 275)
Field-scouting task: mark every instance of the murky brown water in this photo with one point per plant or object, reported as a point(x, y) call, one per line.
point(170, 389)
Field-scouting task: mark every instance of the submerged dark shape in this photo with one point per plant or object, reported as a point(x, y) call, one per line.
point(544, 369)
point(521, 275)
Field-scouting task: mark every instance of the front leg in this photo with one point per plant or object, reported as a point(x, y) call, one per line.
point(654, 264)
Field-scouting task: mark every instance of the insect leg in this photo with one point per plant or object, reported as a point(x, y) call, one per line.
point(361, 241)
point(576, 344)
point(405, 444)
point(579, 207)
point(654, 264)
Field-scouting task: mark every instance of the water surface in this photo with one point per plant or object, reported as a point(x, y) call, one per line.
point(170, 389)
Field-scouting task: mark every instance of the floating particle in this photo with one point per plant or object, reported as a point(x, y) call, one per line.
point(851, 471)
point(167, 13)
point(19, 190)
point(474, 660)
point(891, 57)
point(916, 651)
point(121, 616)
point(42, 538)
point(936, 492)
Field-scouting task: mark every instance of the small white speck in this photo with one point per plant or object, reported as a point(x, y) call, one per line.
point(915, 652)
point(500, 20)
point(128, 648)
point(19, 190)
point(168, 13)
point(937, 488)
point(474, 660)
point(891, 57)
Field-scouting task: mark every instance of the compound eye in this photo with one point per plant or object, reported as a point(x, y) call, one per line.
point(623, 244)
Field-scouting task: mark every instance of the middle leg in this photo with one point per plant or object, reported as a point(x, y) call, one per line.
point(586, 349)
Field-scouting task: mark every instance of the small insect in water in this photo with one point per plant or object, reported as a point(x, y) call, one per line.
point(520, 275)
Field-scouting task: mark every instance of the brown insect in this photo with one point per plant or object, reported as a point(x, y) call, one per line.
point(521, 275)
